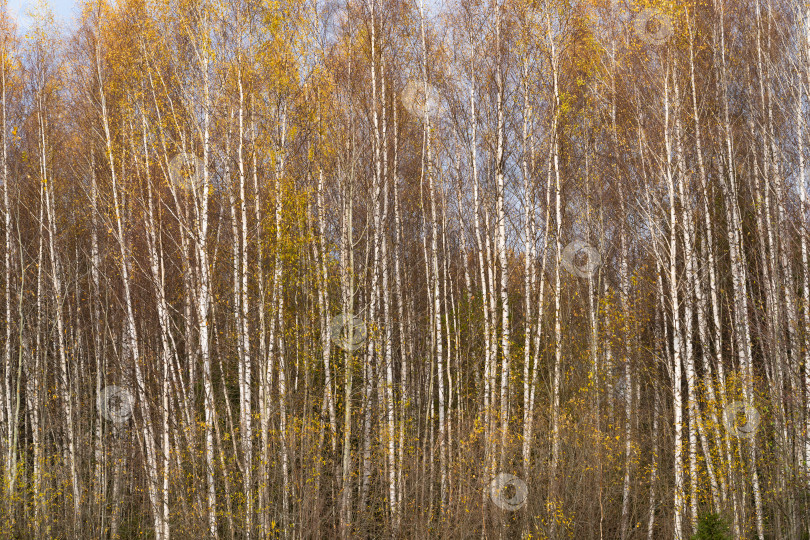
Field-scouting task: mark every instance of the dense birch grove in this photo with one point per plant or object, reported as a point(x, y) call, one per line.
point(405, 269)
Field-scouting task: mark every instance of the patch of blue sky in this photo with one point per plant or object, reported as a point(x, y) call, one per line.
point(25, 11)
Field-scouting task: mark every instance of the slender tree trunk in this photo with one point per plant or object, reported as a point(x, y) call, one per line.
point(58, 302)
point(245, 364)
point(557, 376)
point(674, 301)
